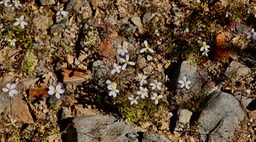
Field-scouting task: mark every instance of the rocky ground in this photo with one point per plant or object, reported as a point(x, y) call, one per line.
point(153, 70)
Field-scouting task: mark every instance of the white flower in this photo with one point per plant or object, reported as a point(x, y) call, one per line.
point(147, 48)
point(251, 34)
point(111, 85)
point(116, 69)
point(11, 89)
point(5, 2)
point(20, 21)
point(126, 62)
point(155, 85)
point(143, 92)
point(204, 47)
point(56, 91)
point(142, 79)
point(133, 100)
point(12, 41)
point(184, 83)
point(113, 92)
point(167, 78)
point(12, 122)
point(228, 14)
point(121, 50)
point(16, 3)
point(156, 98)
point(186, 30)
point(62, 12)
point(205, 52)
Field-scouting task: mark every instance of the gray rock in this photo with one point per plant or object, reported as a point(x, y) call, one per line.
point(141, 61)
point(146, 17)
point(59, 26)
point(221, 116)
point(236, 70)
point(108, 129)
point(100, 73)
point(47, 2)
point(42, 23)
point(184, 116)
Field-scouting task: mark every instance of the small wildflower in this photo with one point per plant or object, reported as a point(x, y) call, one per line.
point(155, 85)
point(142, 79)
point(126, 62)
point(147, 48)
point(20, 21)
point(167, 78)
point(184, 83)
point(12, 41)
point(116, 69)
point(133, 100)
point(111, 85)
point(251, 34)
point(228, 14)
point(205, 52)
point(11, 89)
point(12, 122)
point(113, 92)
point(16, 3)
point(121, 50)
point(186, 30)
point(143, 92)
point(62, 12)
point(156, 98)
point(56, 91)
point(5, 2)
point(204, 47)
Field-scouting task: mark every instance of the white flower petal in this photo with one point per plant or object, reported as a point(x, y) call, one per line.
point(14, 92)
point(131, 63)
point(11, 94)
point(8, 85)
point(145, 43)
point(143, 50)
point(61, 91)
point(122, 60)
point(57, 95)
point(124, 66)
point(108, 82)
point(5, 90)
point(13, 86)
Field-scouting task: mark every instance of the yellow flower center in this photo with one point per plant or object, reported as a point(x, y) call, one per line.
point(10, 89)
point(147, 47)
point(56, 91)
point(143, 91)
point(20, 21)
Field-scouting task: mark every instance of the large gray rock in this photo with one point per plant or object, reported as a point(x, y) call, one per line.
point(108, 129)
point(221, 117)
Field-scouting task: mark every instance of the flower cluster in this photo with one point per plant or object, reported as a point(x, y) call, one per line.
point(14, 4)
point(112, 87)
point(205, 49)
point(143, 92)
point(10, 89)
point(251, 34)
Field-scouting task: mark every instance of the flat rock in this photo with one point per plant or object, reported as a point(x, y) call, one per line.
point(137, 21)
point(184, 116)
point(236, 70)
point(15, 107)
point(42, 23)
point(107, 129)
point(47, 2)
point(221, 117)
point(74, 76)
